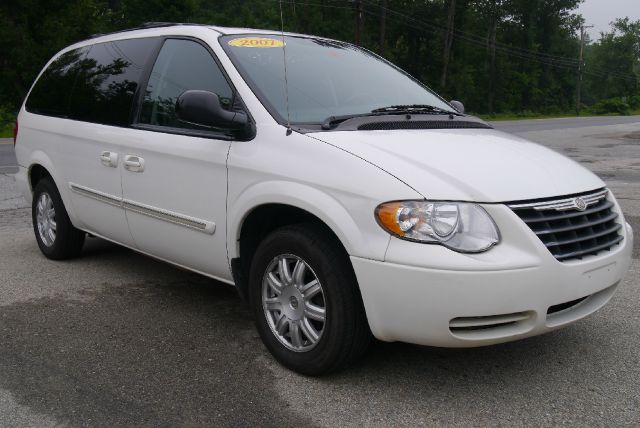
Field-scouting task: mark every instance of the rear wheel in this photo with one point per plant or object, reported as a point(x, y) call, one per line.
point(56, 236)
point(306, 302)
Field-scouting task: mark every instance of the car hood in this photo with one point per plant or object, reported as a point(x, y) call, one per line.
point(481, 165)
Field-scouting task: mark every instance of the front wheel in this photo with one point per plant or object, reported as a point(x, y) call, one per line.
point(305, 299)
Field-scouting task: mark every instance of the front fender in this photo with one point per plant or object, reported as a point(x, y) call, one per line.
point(325, 206)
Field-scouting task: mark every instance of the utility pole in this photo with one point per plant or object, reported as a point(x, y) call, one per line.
point(580, 67)
point(359, 21)
point(448, 41)
point(383, 22)
point(491, 45)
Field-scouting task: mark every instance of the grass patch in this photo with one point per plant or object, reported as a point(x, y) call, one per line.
point(524, 116)
point(6, 130)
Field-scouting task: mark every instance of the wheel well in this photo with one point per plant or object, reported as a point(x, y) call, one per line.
point(261, 222)
point(37, 173)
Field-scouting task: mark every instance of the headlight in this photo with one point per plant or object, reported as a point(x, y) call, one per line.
point(461, 226)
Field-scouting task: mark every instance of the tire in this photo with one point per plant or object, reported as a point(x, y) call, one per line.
point(344, 334)
point(56, 236)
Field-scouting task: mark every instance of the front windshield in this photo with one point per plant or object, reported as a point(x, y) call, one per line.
point(325, 78)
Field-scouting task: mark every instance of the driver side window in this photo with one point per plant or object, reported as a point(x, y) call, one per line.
point(181, 65)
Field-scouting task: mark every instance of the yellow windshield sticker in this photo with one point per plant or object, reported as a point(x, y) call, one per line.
point(256, 42)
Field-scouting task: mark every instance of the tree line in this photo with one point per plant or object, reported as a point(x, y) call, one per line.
point(497, 56)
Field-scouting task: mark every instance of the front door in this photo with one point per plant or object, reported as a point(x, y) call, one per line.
point(174, 176)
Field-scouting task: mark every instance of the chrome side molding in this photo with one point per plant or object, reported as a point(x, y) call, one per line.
point(200, 225)
point(204, 226)
point(97, 195)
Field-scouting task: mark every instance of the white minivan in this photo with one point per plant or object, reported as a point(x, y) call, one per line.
point(343, 198)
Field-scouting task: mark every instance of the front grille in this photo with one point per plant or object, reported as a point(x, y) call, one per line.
point(571, 233)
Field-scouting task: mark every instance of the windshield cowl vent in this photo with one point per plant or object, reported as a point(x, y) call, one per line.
point(422, 124)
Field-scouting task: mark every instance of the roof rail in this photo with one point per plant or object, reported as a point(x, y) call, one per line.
point(143, 26)
point(154, 24)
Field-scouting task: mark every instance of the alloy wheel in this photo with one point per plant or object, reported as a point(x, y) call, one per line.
point(46, 219)
point(294, 303)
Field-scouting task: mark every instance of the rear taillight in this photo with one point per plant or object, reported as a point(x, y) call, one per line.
point(15, 132)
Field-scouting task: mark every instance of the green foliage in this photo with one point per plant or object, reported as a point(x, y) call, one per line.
point(6, 131)
point(7, 120)
point(505, 55)
point(613, 63)
point(611, 106)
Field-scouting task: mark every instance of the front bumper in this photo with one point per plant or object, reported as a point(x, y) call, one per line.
point(429, 295)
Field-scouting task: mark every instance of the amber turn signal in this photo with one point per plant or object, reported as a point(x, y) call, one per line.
point(387, 217)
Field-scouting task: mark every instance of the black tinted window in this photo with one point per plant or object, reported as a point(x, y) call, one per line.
point(181, 65)
point(50, 95)
point(108, 78)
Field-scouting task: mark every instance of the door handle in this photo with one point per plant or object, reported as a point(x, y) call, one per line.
point(109, 159)
point(133, 163)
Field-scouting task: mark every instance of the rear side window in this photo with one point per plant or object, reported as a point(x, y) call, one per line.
point(181, 65)
point(50, 95)
point(108, 79)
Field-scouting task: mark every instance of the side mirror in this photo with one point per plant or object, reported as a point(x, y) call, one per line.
point(203, 108)
point(457, 105)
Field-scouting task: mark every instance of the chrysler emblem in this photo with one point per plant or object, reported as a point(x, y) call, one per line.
point(580, 204)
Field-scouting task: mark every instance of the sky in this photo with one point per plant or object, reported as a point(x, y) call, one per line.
point(601, 12)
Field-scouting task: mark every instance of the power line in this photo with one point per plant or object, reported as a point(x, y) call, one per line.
point(521, 53)
point(543, 58)
point(471, 36)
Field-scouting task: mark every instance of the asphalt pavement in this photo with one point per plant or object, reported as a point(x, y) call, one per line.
point(115, 338)
point(7, 156)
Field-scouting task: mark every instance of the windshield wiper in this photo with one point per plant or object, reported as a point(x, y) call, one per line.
point(414, 108)
point(329, 122)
